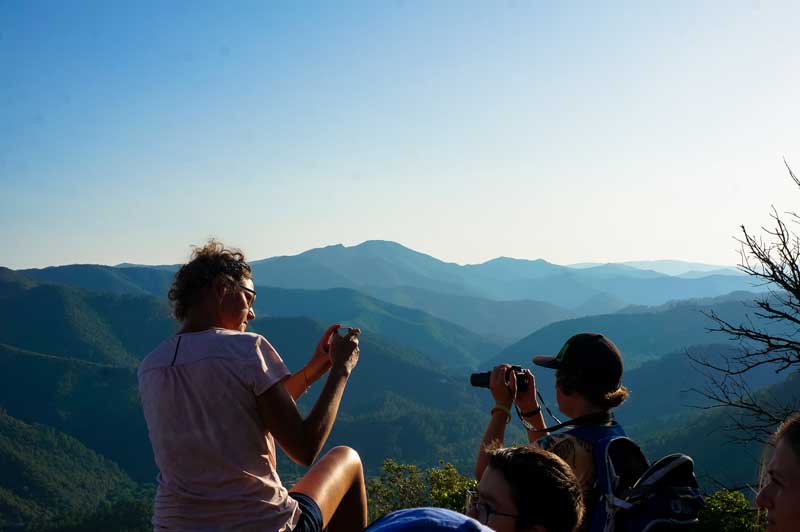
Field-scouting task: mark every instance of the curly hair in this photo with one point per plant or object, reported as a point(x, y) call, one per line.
point(543, 486)
point(208, 262)
point(790, 431)
point(589, 387)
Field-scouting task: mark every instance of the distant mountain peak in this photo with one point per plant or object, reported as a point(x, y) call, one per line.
point(511, 260)
point(382, 244)
point(372, 246)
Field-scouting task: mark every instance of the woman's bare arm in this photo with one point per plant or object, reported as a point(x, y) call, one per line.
point(302, 439)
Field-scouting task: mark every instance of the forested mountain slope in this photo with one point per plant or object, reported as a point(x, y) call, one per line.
point(446, 343)
point(131, 280)
point(508, 321)
point(104, 328)
point(47, 475)
point(719, 459)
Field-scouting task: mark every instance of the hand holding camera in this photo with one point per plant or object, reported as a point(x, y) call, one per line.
point(509, 384)
point(343, 348)
point(526, 396)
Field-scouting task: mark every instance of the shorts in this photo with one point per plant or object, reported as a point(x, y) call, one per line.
point(311, 516)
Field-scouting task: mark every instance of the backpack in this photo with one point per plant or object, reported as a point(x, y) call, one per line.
point(634, 496)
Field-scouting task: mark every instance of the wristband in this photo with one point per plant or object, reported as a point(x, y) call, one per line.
point(525, 423)
point(504, 409)
point(530, 413)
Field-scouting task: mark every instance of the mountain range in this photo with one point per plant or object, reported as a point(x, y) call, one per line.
point(71, 338)
point(390, 265)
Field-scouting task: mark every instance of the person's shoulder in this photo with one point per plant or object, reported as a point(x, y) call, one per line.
point(231, 340)
point(426, 519)
point(566, 446)
point(246, 337)
point(219, 344)
point(552, 440)
point(246, 346)
point(158, 356)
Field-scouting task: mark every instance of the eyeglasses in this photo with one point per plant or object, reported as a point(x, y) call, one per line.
point(249, 291)
point(481, 510)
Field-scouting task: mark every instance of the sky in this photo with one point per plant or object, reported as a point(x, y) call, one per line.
point(569, 131)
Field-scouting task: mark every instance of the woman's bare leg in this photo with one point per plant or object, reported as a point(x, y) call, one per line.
point(336, 483)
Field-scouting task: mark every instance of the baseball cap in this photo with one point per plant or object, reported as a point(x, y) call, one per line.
point(587, 353)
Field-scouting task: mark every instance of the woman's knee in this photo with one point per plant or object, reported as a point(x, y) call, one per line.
point(343, 452)
point(347, 456)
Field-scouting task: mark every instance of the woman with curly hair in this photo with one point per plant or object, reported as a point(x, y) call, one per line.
point(216, 398)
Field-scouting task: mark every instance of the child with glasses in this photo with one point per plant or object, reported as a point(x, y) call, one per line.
point(527, 489)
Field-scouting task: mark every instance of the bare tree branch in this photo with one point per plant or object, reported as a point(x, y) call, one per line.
point(769, 336)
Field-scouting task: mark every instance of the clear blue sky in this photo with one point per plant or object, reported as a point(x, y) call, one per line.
point(596, 131)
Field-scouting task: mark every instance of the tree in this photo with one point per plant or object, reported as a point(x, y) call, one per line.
point(768, 336)
point(728, 511)
point(406, 486)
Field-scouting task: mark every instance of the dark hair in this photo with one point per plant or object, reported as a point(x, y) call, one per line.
point(208, 263)
point(790, 431)
point(577, 381)
point(543, 486)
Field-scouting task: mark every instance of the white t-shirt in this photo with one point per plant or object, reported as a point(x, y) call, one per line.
point(216, 462)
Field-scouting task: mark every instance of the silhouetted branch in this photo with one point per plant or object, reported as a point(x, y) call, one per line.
point(769, 336)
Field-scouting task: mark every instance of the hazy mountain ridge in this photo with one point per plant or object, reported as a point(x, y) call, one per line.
point(447, 343)
point(108, 279)
point(379, 267)
point(507, 321)
point(390, 265)
point(601, 303)
point(665, 266)
point(665, 390)
point(640, 336)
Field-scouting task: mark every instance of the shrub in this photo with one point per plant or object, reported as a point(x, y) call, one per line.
point(729, 511)
point(406, 486)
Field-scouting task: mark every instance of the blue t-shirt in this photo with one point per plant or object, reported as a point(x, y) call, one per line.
point(426, 520)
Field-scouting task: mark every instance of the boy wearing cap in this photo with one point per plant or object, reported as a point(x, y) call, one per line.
point(588, 386)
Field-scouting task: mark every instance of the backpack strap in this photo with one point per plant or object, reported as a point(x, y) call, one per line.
point(601, 436)
point(602, 418)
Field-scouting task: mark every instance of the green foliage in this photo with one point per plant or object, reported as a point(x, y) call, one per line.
point(399, 486)
point(96, 404)
point(729, 511)
point(448, 489)
point(407, 486)
point(131, 514)
point(47, 474)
